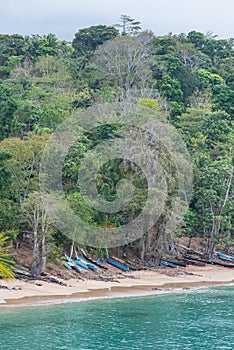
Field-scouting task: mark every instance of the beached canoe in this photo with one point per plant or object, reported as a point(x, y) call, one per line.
point(231, 266)
point(117, 264)
point(86, 264)
point(73, 264)
point(225, 257)
point(70, 260)
point(66, 265)
point(93, 262)
point(80, 263)
point(192, 262)
point(211, 262)
point(169, 264)
point(198, 260)
point(178, 262)
point(78, 268)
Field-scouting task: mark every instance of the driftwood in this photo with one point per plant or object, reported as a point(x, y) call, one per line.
point(22, 272)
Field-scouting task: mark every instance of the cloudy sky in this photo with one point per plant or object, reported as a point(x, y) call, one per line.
point(65, 17)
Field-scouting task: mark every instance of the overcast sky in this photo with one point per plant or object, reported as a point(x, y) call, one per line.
point(66, 17)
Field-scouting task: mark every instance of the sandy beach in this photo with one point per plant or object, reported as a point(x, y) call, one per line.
point(132, 284)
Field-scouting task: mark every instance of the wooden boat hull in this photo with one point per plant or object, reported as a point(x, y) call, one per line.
point(213, 262)
point(192, 262)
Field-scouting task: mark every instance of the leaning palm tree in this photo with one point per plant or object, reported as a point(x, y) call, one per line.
point(6, 261)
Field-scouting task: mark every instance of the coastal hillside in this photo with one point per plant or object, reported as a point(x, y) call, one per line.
point(185, 81)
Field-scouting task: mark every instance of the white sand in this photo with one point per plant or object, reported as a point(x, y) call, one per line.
point(138, 283)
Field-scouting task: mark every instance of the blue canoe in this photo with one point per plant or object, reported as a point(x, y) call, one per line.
point(86, 264)
point(89, 264)
point(117, 264)
point(68, 258)
point(73, 263)
point(225, 257)
point(169, 264)
point(80, 263)
point(66, 265)
point(94, 263)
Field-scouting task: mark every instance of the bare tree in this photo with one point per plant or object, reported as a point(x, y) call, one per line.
point(35, 216)
point(125, 62)
point(189, 56)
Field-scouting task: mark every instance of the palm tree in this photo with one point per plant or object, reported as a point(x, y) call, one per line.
point(6, 261)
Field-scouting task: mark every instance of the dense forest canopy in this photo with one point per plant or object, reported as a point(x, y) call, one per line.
point(188, 79)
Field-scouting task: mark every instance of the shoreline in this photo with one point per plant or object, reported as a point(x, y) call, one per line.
point(19, 293)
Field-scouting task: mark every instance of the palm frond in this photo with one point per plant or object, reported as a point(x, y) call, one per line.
point(6, 260)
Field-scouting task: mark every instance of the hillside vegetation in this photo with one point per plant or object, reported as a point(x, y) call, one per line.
point(187, 79)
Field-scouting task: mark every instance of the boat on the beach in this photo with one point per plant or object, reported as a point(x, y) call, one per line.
point(86, 264)
point(211, 262)
point(192, 262)
point(94, 262)
point(66, 265)
point(215, 262)
point(169, 264)
point(78, 268)
point(178, 262)
point(117, 264)
point(225, 257)
point(81, 264)
point(72, 264)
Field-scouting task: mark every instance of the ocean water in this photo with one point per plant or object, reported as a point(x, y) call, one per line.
point(197, 319)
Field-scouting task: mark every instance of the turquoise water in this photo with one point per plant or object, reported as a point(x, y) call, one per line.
point(201, 319)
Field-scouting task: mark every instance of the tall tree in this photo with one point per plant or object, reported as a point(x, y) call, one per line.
point(34, 214)
point(88, 39)
point(128, 25)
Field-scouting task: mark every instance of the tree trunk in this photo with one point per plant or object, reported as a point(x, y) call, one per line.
point(43, 254)
point(35, 262)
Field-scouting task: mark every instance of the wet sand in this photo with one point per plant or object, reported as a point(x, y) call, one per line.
point(137, 283)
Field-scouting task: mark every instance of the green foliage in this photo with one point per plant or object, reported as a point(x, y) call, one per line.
point(218, 128)
point(150, 103)
point(24, 163)
point(88, 39)
point(6, 260)
point(5, 175)
point(209, 135)
point(44, 80)
point(38, 46)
